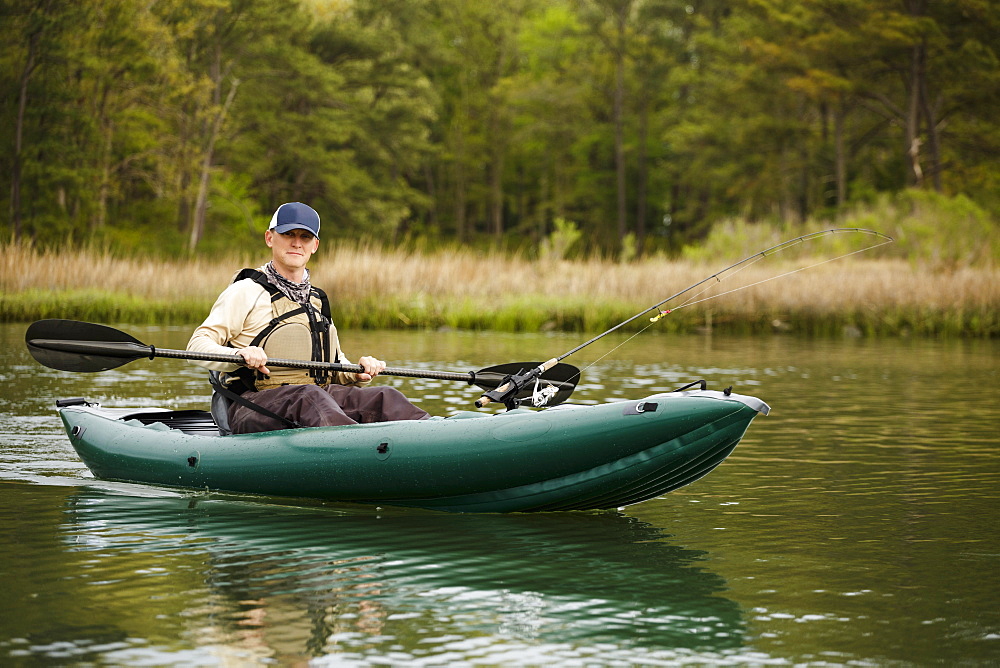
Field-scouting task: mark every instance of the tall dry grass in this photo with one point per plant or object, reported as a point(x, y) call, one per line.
point(385, 288)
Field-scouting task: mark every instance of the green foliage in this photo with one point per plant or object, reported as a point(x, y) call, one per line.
point(98, 306)
point(629, 250)
point(179, 125)
point(528, 313)
point(933, 229)
point(560, 242)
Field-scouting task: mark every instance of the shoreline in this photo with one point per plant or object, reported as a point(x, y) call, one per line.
point(468, 291)
point(523, 316)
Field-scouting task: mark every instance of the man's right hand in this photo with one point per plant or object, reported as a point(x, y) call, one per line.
point(255, 358)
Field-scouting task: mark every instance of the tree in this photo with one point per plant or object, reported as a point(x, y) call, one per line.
point(217, 38)
point(342, 123)
point(475, 110)
point(641, 121)
point(39, 24)
point(550, 117)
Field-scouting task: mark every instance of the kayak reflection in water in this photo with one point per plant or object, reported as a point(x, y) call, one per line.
point(275, 312)
point(321, 580)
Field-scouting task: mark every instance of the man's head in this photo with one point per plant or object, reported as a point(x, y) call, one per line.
point(295, 216)
point(293, 238)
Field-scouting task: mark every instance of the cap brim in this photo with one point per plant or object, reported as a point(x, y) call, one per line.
point(281, 229)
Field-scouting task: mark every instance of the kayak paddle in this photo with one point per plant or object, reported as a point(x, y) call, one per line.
point(71, 345)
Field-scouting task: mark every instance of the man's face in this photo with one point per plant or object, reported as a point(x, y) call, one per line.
point(291, 250)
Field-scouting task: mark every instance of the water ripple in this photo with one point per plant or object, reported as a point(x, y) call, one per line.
point(854, 525)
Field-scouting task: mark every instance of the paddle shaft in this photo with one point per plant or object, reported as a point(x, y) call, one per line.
point(133, 351)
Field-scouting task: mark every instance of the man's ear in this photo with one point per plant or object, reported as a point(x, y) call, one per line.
point(268, 236)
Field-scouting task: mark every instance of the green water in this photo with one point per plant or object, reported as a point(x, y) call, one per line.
point(854, 525)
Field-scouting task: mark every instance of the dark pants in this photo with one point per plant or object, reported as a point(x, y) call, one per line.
point(314, 406)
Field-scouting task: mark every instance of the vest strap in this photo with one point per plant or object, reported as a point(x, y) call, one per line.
point(319, 325)
point(219, 387)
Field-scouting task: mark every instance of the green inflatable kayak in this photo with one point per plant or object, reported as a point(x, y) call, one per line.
point(568, 457)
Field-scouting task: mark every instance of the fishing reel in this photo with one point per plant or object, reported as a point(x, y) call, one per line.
point(538, 385)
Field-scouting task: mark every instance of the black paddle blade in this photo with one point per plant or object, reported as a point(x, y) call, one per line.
point(70, 345)
point(563, 377)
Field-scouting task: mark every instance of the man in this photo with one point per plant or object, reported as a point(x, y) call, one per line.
point(274, 311)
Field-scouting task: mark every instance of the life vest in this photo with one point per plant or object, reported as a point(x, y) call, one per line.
point(296, 331)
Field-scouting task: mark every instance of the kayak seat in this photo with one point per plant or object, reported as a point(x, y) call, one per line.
point(220, 406)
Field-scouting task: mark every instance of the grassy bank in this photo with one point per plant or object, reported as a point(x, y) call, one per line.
point(373, 288)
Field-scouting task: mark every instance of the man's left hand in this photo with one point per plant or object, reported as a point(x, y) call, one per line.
point(372, 367)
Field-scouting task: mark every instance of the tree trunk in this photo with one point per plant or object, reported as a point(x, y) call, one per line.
point(185, 151)
point(22, 105)
point(619, 113)
point(642, 178)
point(460, 203)
point(802, 205)
point(840, 157)
point(201, 201)
point(496, 194)
point(918, 57)
point(100, 218)
point(933, 138)
point(459, 166)
point(432, 213)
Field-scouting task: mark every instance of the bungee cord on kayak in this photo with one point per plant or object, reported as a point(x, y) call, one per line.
point(516, 382)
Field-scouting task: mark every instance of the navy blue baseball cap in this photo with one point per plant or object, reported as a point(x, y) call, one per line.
point(295, 216)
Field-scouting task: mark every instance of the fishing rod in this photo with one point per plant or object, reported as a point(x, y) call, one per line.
point(515, 383)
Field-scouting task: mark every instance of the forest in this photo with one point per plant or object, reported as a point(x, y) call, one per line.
point(176, 126)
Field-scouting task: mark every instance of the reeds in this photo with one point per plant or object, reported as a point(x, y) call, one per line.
point(374, 288)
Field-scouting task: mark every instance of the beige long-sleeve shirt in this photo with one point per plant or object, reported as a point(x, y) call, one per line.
point(240, 313)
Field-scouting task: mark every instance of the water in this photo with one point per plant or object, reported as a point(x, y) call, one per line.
point(854, 525)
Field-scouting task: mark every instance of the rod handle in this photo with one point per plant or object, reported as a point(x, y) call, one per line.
point(485, 400)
